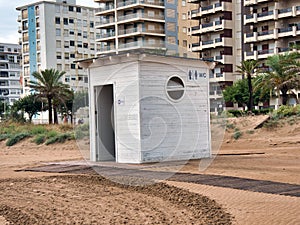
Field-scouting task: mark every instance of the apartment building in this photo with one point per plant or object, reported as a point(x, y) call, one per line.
point(270, 27)
point(143, 24)
point(10, 70)
point(220, 40)
point(54, 35)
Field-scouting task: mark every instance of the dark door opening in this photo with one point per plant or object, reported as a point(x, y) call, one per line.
point(105, 124)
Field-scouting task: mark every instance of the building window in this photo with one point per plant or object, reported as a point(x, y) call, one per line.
point(175, 88)
point(58, 44)
point(84, 34)
point(184, 16)
point(171, 40)
point(73, 66)
point(71, 20)
point(72, 43)
point(72, 32)
point(79, 33)
point(171, 13)
point(79, 23)
point(72, 55)
point(58, 55)
point(84, 23)
point(91, 24)
point(57, 20)
point(79, 44)
point(71, 8)
point(183, 3)
point(59, 67)
point(184, 29)
point(58, 32)
point(67, 56)
point(66, 21)
point(171, 27)
point(66, 44)
point(78, 9)
point(85, 45)
point(151, 13)
point(66, 33)
point(184, 43)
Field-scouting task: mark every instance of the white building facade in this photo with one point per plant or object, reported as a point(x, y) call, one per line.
point(53, 35)
point(10, 70)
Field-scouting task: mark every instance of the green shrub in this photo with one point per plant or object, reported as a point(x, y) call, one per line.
point(51, 134)
point(286, 111)
point(38, 129)
point(4, 136)
point(60, 138)
point(16, 138)
point(236, 113)
point(237, 134)
point(39, 139)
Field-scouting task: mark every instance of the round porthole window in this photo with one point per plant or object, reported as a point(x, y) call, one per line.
point(175, 88)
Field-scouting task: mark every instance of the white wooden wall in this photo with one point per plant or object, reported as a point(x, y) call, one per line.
point(149, 127)
point(126, 107)
point(173, 130)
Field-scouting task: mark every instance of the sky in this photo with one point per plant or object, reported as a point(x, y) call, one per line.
point(9, 14)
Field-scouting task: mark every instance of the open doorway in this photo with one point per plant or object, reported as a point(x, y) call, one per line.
point(105, 124)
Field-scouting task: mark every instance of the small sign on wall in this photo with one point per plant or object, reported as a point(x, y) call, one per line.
point(194, 75)
point(121, 100)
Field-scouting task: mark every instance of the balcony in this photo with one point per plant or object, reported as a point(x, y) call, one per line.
point(106, 22)
point(272, 15)
point(273, 34)
point(131, 3)
point(260, 54)
point(219, 76)
point(254, 2)
point(109, 35)
point(137, 30)
point(210, 27)
point(211, 9)
point(218, 42)
point(140, 44)
point(19, 18)
point(106, 49)
point(224, 59)
point(140, 16)
point(104, 10)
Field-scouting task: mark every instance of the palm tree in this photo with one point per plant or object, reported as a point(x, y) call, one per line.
point(48, 85)
point(248, 68)
point(284, 75)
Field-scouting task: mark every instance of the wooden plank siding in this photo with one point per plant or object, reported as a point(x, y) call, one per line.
point(149, 125)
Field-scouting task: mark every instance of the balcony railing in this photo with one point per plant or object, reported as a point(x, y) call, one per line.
point(140, 15)
point(267, 32)
point(107, 48)
point(105, 8)
point(286, 29)
point(285, 10)
point(132, 2)
point(136, 29)
point(265, 51)
point(263, 14)
point(110, 34)
point(104, 21)
point(141, 44)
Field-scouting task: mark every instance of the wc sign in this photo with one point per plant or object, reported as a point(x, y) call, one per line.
point(196, 75)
